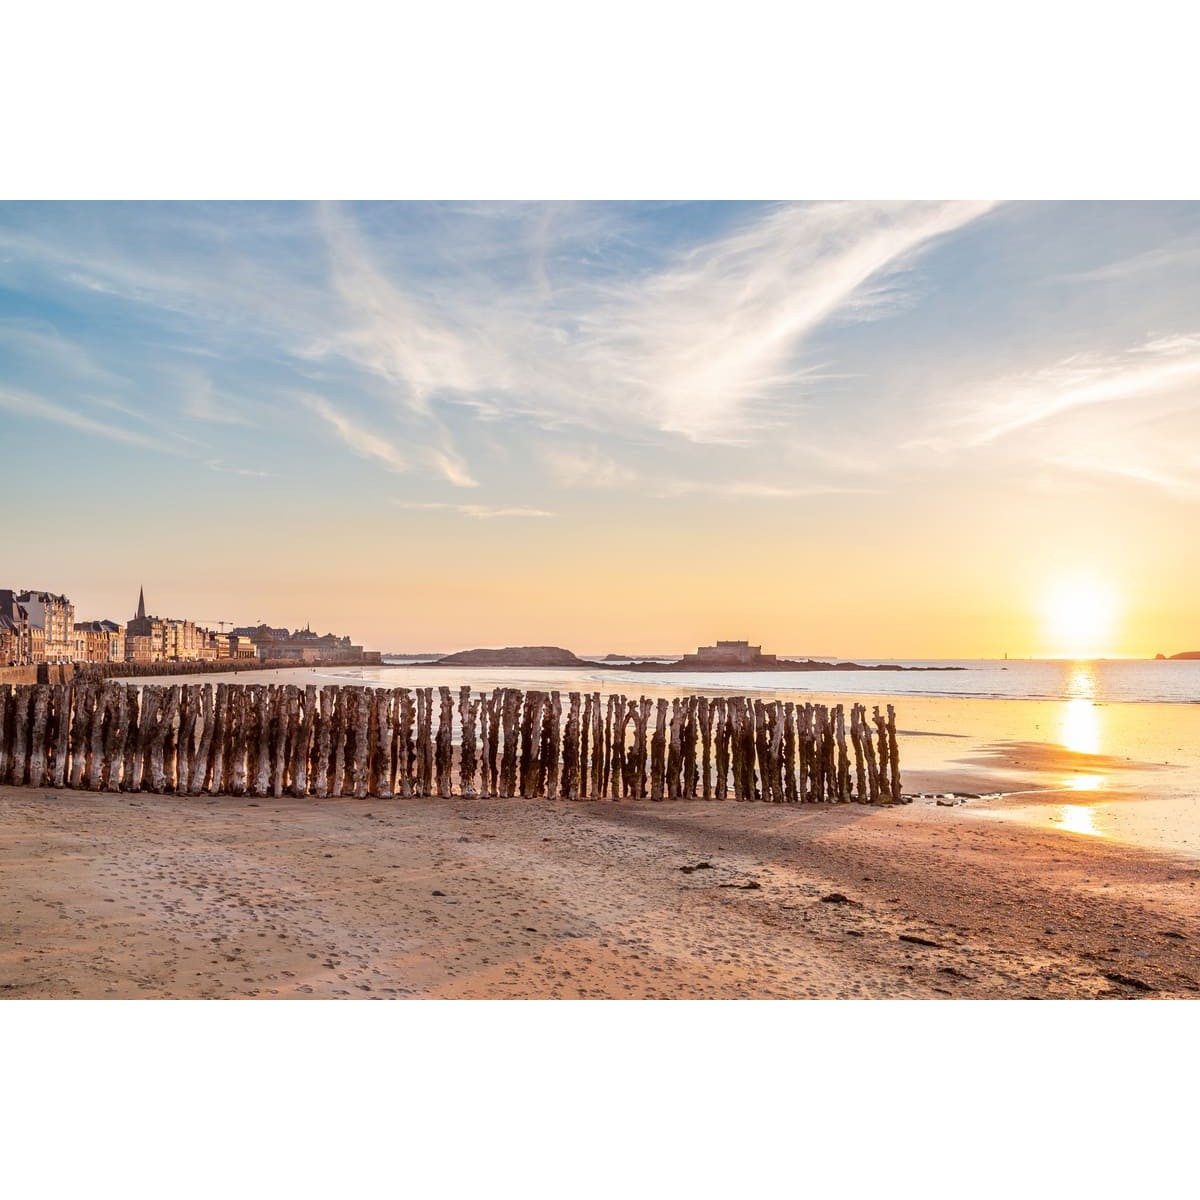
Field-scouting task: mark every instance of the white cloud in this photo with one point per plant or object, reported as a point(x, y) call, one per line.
point(699, 347)
point(199, 400)
point(586, 466)
point(479, 512)
point(1157, 368)
point(365, 442)
point(696, 345)
point(217, 465)
point(25, 405)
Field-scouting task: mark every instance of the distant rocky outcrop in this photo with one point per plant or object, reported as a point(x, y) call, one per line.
point(513, 656)
point(624, 658)
point(1186, 654)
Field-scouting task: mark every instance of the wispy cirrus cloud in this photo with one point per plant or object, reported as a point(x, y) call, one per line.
point(586, 466)
point(1157, 368)
point(688, 347)
point(25, 405)
point(1152, 475)
point(365, 442)
point(246, 472)
point(699, 343)
point(479, 512)
point(200, 400)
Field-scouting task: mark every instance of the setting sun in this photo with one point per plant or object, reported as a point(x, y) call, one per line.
point(1080, 616)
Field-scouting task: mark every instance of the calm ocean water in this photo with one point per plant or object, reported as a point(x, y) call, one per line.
point(1100, 681)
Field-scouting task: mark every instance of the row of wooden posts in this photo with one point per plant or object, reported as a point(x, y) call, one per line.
point(276, 740)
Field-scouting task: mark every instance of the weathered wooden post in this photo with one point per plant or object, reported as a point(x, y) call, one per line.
point(405, 751)
point(167, 706)
point(79, 733)
point(860, 773)
point(530, 741)
point(305, 727)
point(62, 736)
point(777, 729)
point(6, 735)
point(203, 750)
point(153, 702)
point(831, 763)
point(170, 737)
point(554, 760)
point(704, 716)
point(94, 771)
point(495, 719)
point(585, 738)
point(762, 747)
point(843, 760)
point(281, 718)
point(894, 755)
point(339, 735)
point(789, 752)
point(658, 751)
point(606, 767)
point(113, 748)
point(884, 757)
point(322, 743)
point(466, 753)
point(750, 735)
point(189, 708)
point(37, 739)
point(258, 740)
point(507, 749)
point(720, 722)
point(869, 754)
point(215, 739)
point(236, 735)
point(687, 743)
point(674, 740)
point(361, 710)
point(617, 777)
point(427, 747)
point(569, 784)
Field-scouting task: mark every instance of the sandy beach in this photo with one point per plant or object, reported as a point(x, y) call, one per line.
point(156, 896)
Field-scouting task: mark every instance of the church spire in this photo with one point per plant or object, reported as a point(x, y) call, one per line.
point(141, 612)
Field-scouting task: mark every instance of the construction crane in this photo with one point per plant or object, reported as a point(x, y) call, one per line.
point(206, 622)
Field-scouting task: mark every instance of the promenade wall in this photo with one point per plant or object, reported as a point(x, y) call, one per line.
point(67, 672)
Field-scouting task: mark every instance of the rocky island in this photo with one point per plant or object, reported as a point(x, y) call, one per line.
point(722, 657)
point(513, 656)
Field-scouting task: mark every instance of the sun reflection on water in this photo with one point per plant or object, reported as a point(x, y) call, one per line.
point(1079, 818)
point(1079, 723)
point(1082, 682)
point(1079, 727)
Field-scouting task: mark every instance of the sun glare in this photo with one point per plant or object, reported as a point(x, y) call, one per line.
point(1079, 616)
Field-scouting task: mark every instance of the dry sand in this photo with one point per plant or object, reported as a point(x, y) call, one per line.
point(156, 896)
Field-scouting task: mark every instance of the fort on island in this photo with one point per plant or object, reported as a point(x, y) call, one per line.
point(726, 655)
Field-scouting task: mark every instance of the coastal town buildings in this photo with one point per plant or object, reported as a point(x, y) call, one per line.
point(282, 645)
point(15, 647)
point(99, 642)
point(39, 627)
point(51, 626)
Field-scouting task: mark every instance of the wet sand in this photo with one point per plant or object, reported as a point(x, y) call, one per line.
point(154, 896)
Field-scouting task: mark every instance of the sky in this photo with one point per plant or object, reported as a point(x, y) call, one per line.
point(902, 429)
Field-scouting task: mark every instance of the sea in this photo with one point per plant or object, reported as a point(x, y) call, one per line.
point(1151, 681)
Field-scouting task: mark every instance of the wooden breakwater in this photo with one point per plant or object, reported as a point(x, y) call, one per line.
point(276, 740)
